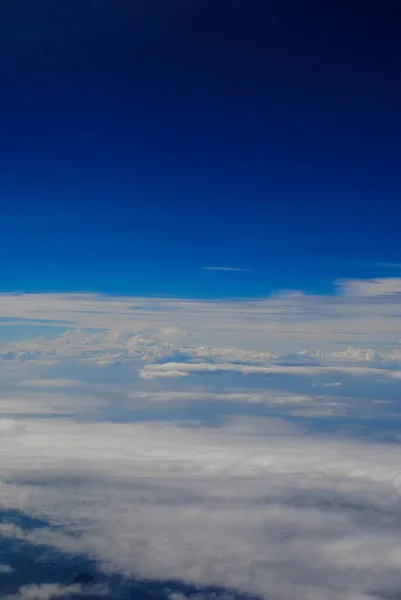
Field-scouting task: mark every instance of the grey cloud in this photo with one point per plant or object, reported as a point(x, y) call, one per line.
point(6, 569)
point(276, 514)
point(49, 591)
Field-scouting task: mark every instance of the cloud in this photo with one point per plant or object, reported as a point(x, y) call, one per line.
point(162, 373)
point(357, 312)
point(93, 374)
point(250, 397)
point(200, 596)
point(172, 369)
point(109, 347)
point(245, 507)
point(48, 591)
point(236, 269)
point(45, 402)
point(350, 354)
point(9, 427)
point(372, 287)
point(6, 569)
point(276, 506)
point(50, 383)
point(175, 399)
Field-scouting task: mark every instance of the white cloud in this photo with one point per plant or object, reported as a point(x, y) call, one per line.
point(44, 402)
point(224, 269)
point(328, 384)
point(173, 369)
point(245, 507)
point(256, 397)
point(358, 313)
point(9, 427)
point(162, 373)
point(372, 287)
point(49, 383)
point(350, 354)
point(110, 348)
point(256, 505)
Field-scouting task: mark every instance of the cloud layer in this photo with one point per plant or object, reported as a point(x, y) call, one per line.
point(241, 444)
point(358, 311)
point(253, 507)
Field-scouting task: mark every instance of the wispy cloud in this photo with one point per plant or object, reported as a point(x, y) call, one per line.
point(50, 591)
point(225, 269)
point(50, 383)
point(389, 265)
point(171, 369)
point(373, 287)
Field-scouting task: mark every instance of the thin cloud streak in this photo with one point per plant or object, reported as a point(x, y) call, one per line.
point(235, 269)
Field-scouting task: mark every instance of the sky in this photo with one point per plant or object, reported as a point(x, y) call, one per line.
point(143, 141)
point(200, 300)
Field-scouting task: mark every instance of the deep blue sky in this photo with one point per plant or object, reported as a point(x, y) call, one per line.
point(143, 140)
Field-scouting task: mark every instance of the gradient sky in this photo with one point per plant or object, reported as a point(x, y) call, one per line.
point(200, 300)
point(143, 141)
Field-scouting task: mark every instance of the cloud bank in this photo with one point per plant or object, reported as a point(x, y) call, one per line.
point(358, 311)
point(247, 444)
point(253, 508)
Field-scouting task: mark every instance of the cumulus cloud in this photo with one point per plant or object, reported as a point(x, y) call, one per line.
point(110, 347)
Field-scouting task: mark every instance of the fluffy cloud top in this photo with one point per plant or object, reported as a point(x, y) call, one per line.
point(279, 515)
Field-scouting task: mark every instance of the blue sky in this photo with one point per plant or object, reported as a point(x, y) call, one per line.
point(200, 300)
point(143, 143)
